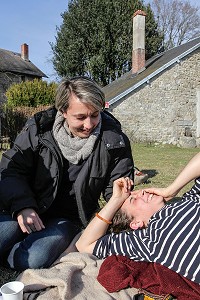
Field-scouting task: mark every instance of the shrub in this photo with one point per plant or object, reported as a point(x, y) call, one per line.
point(31, 93)
point(14, 119)
point(23, 100)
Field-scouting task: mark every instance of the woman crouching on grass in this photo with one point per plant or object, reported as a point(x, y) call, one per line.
point(150, 230)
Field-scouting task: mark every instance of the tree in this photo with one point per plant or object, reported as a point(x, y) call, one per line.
point(178, 21)
point(95, 39)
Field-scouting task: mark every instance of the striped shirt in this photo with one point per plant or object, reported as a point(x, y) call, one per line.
point(172, 238)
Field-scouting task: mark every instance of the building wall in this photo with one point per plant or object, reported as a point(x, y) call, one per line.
point(6, 79)
point(166, 109)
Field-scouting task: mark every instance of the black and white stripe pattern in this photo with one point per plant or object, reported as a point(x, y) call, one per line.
point(171, 239)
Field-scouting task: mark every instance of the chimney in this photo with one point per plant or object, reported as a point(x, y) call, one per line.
point(24, 52)
point(138, 54)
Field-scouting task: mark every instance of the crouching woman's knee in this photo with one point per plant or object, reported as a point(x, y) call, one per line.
point(21, 259)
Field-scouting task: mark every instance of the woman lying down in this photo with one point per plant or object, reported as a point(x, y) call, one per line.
point(145, 228)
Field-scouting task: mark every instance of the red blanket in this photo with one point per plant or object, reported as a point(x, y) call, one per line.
point(119, 272)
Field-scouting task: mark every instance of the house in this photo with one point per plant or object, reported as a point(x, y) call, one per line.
point(15, 68)
point(159, 99)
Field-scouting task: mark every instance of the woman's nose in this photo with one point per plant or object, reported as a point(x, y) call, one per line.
point(133, 195)
point(88, 123)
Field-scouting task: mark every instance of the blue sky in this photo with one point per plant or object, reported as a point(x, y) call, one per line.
point(32, 22)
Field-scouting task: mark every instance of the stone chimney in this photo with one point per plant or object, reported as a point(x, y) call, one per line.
point(138, 54)
point(24, 52)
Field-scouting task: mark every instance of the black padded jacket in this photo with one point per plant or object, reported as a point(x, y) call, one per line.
point(31, 170)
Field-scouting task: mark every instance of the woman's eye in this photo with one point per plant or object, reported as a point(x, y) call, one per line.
point(95, 115)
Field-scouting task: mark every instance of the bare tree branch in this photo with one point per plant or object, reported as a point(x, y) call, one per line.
point(178, 21)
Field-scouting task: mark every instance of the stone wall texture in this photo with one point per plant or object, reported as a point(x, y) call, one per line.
point(167, 109)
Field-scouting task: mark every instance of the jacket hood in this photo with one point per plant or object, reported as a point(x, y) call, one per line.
point(110, 119)
point(45, 119)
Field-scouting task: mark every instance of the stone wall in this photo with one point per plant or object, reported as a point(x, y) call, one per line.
point(164, 110)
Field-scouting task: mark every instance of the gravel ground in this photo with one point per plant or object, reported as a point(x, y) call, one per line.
point(7, 275)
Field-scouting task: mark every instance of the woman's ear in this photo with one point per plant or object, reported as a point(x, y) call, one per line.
point(136, 224)
point(65, 114)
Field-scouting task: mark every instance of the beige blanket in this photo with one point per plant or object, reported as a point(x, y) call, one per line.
point(73, 276)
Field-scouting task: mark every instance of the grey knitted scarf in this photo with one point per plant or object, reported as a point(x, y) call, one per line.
point(73, 148)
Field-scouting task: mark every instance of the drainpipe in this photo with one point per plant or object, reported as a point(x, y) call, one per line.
point(138, 53)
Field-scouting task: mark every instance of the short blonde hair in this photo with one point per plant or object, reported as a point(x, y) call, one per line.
point(84, 88)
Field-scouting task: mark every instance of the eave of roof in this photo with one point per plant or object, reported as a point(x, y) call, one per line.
point(13, 63)
point(127, 83)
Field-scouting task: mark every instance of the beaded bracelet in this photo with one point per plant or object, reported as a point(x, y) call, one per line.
point(102, 219)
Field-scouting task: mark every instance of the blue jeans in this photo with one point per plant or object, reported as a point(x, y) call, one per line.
point(38, 249)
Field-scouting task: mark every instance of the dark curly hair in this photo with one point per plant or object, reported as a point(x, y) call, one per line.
point(120, 222)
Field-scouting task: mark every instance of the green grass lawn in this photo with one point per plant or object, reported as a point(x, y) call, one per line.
point(162, 163)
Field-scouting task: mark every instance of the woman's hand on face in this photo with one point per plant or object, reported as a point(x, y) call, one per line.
point(164, 192)
point(122, 189)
